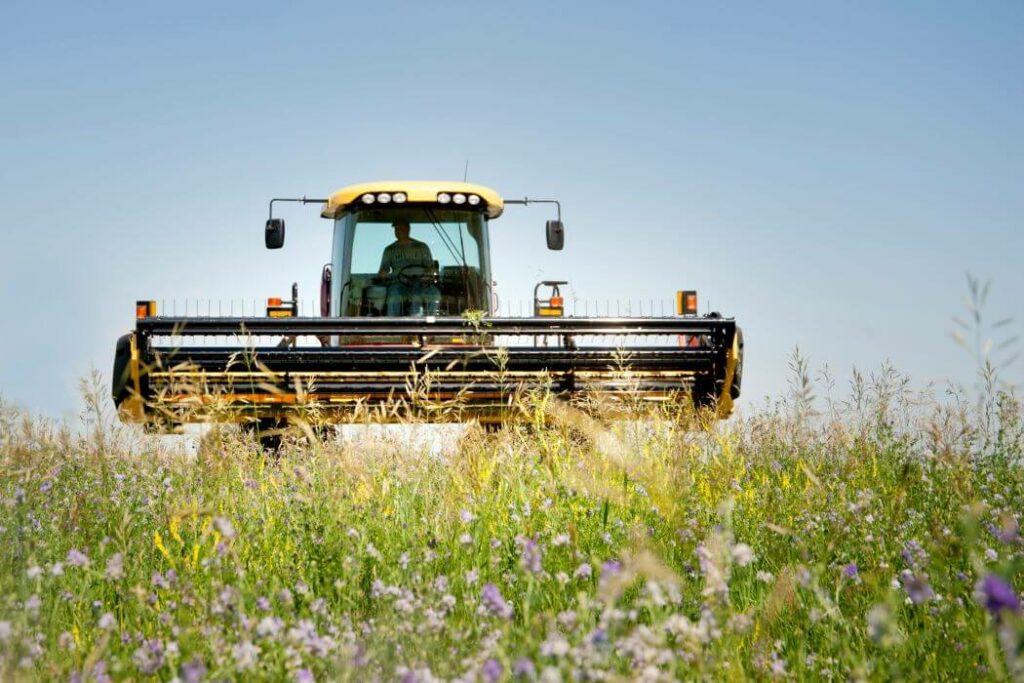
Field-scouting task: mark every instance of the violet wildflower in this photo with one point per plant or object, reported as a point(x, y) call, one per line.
point(304, 676)
point(46, 486)
point(77, 558)
point(531, 557)
point(263, 604)
point(917, 587)
point(742, 554)
point(193, 671)
point(491, 670)
point(610, 568)
point(583, 571)
point(524, 668)
point(850, 571)
point(492, 599)
point(33, 603)
point(149, 657)
point(1009, 531)
point(997, 595)
point(466, 516)
point(107, 621)
point(33, 572)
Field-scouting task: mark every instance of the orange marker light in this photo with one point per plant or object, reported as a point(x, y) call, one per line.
point(556, 301)
point(274, 301)
point(686, 302)
point(145, 309)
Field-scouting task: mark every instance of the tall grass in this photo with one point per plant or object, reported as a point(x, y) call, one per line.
point(869, 535)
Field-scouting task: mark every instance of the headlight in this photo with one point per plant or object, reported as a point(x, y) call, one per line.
point(444, 198)
point(459, 198)
point(368, 199)
point(473, 200)
point(398, 198)
point(384, 198)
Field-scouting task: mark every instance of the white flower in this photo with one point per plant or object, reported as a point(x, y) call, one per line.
point(57, 569)
point(268, 627)
point(245, 655)
point(764, 577)
point(742, 554)
point(466, 539)
point(33, 572)
point(560, 539)
point(107, 622)
point(224, 527)
point(466, 516)
point(5, 631)
point(115, 567)
point(991, 555)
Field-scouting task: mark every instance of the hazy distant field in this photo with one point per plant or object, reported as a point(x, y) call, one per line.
point(878, 538)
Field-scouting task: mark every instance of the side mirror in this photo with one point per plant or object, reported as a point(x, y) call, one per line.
point(325, 291)
point(556, 235)
point(274, 235)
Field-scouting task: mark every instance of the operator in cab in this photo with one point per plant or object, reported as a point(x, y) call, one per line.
point(408, 268)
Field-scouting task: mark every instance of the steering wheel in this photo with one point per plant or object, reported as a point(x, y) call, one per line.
point(425, 276)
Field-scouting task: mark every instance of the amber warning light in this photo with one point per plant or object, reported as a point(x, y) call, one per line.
point(686, 302)
point(145, 309)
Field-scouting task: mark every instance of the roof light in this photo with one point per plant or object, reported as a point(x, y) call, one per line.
point(384, 198)
point(368, 199)
point(398, 198)
point(459, 198)
point(473, 200)
point(444, 198)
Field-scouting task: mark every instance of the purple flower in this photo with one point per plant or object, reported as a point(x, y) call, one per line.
point(610, 568)
point(850, 570)
point(917, 587)
point(77, 558)
point(531, 556)
point(494, 602)
point(304, 676)
point(913, 554)
point(193, 671)
point(523, 668)
point(491, 670)
point(997, 595)
point(1009, 532)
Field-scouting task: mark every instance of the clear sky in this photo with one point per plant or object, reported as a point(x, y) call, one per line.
point(825, 172)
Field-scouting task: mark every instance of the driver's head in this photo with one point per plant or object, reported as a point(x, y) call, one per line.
point(401, 229)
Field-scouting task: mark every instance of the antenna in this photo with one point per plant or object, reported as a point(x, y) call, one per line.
point(465, 173)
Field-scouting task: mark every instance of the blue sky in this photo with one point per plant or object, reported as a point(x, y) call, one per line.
point(826, 172)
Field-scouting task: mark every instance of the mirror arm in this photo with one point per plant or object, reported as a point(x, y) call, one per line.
point(302, 200)
point(526, 201)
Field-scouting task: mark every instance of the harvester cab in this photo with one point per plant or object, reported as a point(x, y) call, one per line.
point(408, 318)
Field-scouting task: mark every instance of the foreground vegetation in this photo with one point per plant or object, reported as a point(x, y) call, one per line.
point(877, 539)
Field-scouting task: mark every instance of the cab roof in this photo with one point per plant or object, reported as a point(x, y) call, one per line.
point(416, 191)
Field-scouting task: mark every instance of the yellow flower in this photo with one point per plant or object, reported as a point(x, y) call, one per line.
point(159, 543)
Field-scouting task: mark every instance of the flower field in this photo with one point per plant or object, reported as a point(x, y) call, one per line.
point(877, 537)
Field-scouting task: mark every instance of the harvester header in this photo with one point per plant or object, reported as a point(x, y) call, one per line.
point(408, 317)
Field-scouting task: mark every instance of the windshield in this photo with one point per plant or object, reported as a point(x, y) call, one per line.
point(413, 261)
